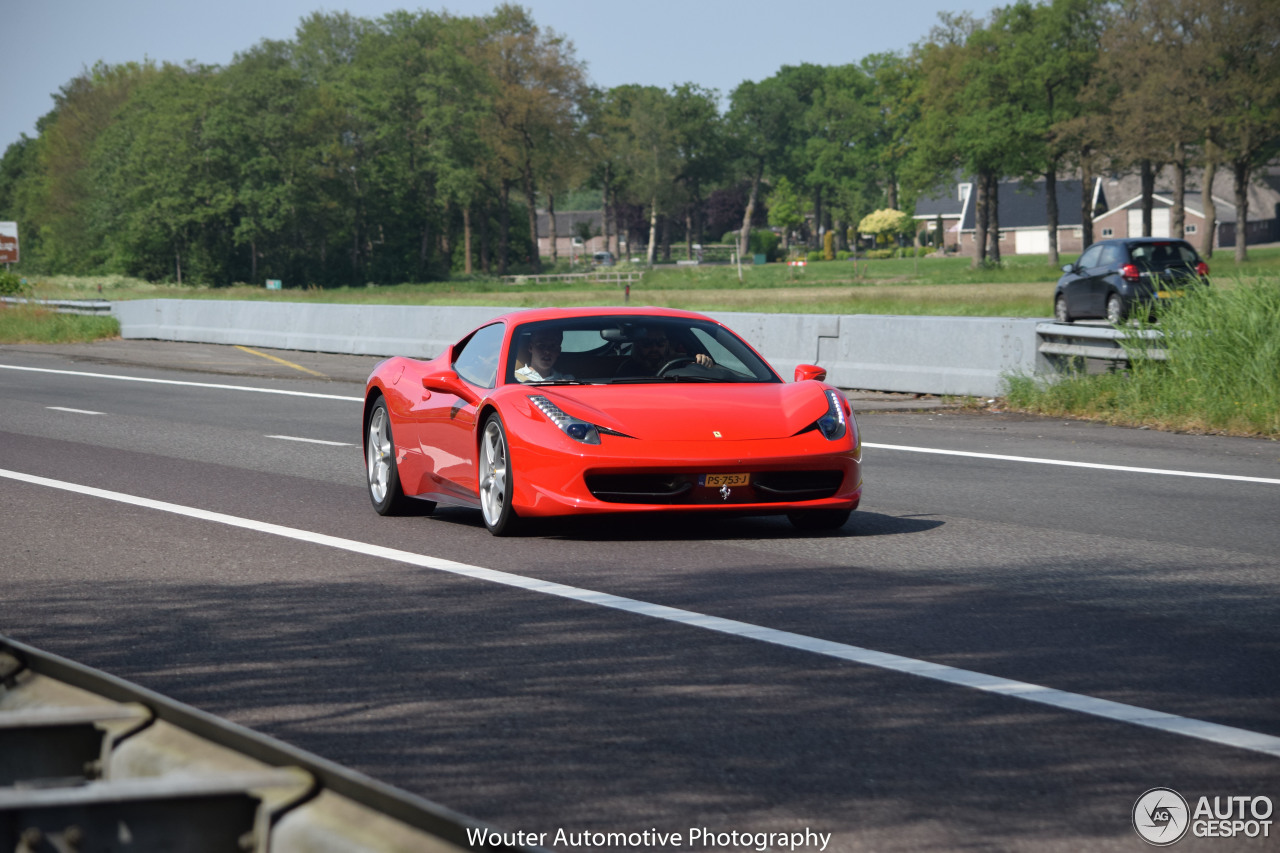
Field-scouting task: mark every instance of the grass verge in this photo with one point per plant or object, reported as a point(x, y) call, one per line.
point(1221, 375)
point(32, 324)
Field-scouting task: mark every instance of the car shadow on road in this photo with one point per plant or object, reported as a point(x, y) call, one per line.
point(697, 526)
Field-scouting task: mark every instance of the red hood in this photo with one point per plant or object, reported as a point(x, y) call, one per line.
point(694, 411)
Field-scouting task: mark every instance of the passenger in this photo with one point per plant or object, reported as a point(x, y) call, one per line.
point(540, 359)
point(650, 353)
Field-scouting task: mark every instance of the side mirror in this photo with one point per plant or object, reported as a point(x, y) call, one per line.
point(448, 382)
point(810, 371)
point(1069, 268)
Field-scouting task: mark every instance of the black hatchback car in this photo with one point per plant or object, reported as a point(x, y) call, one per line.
point(1115, 279)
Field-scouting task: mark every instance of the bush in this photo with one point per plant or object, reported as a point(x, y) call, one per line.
point(842, 256)
point(11, 284)
point(829, 246)
point(764, 243)
point(814, 257)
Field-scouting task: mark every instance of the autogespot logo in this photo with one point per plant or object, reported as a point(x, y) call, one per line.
point(1160, 816)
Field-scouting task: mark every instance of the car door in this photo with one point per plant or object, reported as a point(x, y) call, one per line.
point(1111, 256)
point(447, 435)
point(1077, 286)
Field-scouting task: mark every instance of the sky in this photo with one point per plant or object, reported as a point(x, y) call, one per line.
point(47, 43)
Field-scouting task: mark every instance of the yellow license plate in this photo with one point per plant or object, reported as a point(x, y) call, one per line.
point(1168, 294)
point(727, 479)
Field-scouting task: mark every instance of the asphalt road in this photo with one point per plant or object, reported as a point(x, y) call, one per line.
point(745, 708)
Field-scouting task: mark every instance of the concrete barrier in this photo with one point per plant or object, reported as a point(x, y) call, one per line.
point(964, 356)
point(923, 355)
point(417, 331)
point(785, 339)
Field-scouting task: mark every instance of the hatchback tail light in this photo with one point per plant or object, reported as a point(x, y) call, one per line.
point(1129, 272)
point(1202, 269)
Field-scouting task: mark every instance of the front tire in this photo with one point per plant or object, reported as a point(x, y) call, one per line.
point(495, 479)
point(381, 473)
point(1060, 313)
point(819, 519)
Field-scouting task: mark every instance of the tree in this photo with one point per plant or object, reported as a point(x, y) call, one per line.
point(701, 147)
point(66, 194)
point(650, 154)
point(1142, 71)
point(171, 206)
point(784, 210)
point(843, 146)
point(886, 223)
point(759, 121)
point(1053, 53)
point(1237, 50)
point(538, 85)
point(255, 128)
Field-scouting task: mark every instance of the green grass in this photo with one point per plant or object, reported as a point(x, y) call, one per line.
point(1222, 373)
point(24, 324)
point(1023, 286)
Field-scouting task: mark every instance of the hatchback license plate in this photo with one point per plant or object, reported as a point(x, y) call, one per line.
point(1168, 294)
point(725, 479)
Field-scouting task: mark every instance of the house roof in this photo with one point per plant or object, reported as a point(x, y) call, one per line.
point(1263, 192)
point(948, 203)
point(1192, 202)
point(1024, 205)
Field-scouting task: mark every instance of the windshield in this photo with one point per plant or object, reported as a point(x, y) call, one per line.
point(618, 350)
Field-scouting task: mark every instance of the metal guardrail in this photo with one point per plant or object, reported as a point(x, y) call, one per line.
point(599, 277)
point(1102, 342)
point(65, 306)
point(91, 762)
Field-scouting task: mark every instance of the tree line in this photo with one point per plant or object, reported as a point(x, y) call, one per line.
point(422, 145)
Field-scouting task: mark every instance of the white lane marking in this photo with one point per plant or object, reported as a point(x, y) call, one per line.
point(1070, 464)
point(186, 384)
point(995, 456)
point(312, 440)
point(1104, 708)
point(74, 411)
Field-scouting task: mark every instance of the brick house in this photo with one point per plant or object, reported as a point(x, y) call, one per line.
point(1117, 205)
point(567, 223)
point(1023, 226)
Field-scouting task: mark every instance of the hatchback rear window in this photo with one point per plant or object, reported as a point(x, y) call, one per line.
point(1159, 256)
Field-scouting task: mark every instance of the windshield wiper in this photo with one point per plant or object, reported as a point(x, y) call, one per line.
point(556, 382)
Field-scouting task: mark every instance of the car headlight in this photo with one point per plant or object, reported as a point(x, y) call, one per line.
point(575, 428)
point(833, 424)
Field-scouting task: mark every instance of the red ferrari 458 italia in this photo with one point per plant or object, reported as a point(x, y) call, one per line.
point(596, 410)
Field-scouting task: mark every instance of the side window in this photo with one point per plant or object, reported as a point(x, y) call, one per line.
point(718, 352)
point(1090, 258)
point(1112, 254)
point(478, 361)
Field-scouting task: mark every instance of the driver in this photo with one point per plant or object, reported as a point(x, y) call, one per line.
point(650, 353)
point(540, 359)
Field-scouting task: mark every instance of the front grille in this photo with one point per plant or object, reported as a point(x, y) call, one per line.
point(797, 485)
point(641, 488)
point(683, 488)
